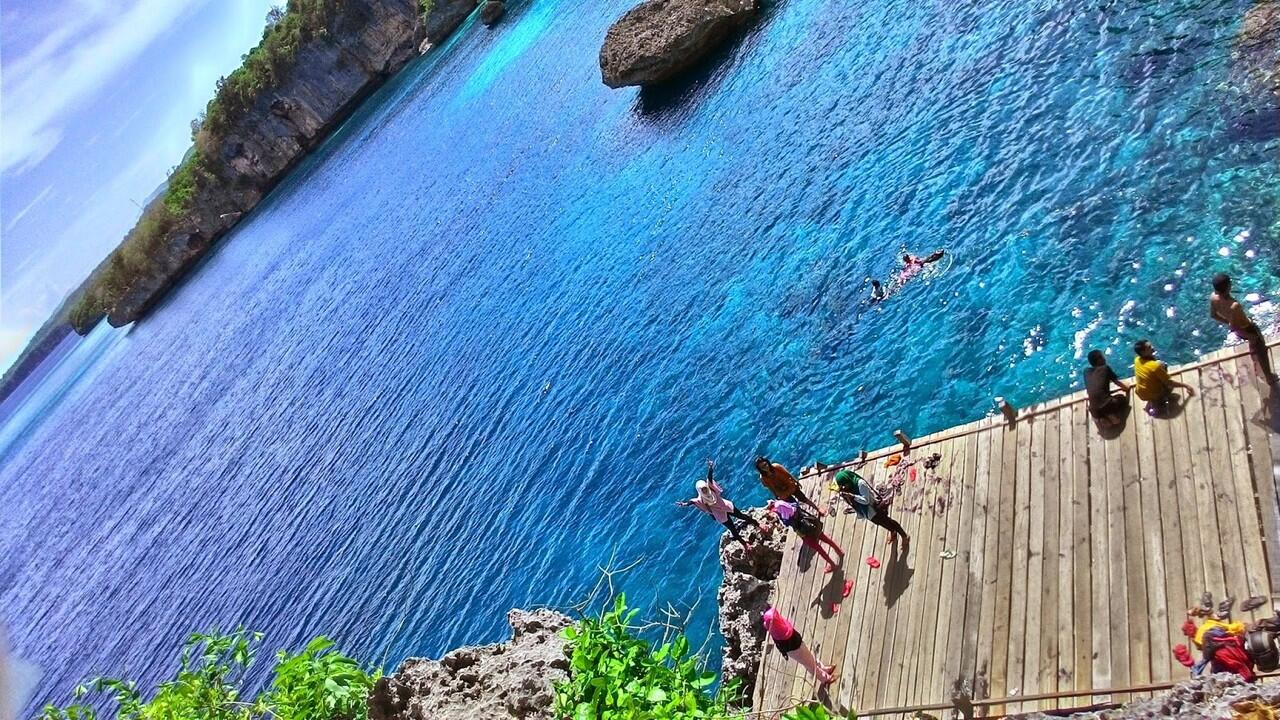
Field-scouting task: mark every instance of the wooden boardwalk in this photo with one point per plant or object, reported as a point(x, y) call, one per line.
point(1075, 556)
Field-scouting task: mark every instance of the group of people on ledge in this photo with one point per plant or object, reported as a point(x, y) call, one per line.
point(1152, 382)
point(795, 510)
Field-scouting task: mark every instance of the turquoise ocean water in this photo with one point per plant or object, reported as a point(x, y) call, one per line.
point(480, 342)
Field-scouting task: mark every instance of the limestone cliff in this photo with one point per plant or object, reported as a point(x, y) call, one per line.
point(363, 43)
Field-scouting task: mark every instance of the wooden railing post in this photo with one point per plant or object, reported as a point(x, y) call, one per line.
point(902, 438)
point(1010, 412)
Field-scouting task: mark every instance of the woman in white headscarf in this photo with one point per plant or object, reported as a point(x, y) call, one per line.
point(710, 500)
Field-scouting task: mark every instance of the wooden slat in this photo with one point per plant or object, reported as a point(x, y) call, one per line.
point(1117, 563)
point(1082, 558)
point(1034, 645)
point(1065, 679)
point(1005, 567)
point(1193, 562)
point(988, 615)
point(1155, 542)
point(1135, 568)
point(976, 599)
point(1051, 578)
point(1206, 505)
point(1018, 583)
point(953, 490)
point(963, 610)
point(924, 548)
point(1099, 550)
point(852, 667)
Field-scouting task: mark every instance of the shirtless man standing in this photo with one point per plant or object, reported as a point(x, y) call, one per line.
point(1228, 311)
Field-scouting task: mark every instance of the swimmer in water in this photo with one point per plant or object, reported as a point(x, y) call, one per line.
point(911, 262)
point(877, 291)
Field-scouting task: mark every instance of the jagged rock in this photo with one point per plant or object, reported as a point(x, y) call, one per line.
point(659, 39)
point(744, 595)
point(492, 11)
point(492, 682)
point(1207, 698)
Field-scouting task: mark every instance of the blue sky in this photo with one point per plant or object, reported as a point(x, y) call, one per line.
point(96, 101)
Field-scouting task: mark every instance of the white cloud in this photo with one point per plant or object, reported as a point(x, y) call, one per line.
point(28, 207)
point(75, 60)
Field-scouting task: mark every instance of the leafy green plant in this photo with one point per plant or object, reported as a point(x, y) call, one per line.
point(814, 711)
point(316, 684)
point(616, 675)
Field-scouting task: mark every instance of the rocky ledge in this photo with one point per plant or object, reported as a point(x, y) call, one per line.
point(744, 594)
point(659, 39)
point(1215, 697)
point(492, 682)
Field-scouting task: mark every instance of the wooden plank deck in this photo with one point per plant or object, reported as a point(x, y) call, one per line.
point(1044, 557)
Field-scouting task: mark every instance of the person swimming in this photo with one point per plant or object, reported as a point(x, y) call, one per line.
point(877, 291)
point(912, 265)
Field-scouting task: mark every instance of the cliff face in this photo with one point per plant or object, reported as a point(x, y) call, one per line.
point(744, 594)
point(365, 43)
point(495, 682)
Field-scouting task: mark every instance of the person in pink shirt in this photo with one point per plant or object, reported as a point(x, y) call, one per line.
point(808, 526)
point(792, 646)
point(710, 499)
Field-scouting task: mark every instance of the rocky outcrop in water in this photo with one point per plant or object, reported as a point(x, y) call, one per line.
point(492, 11)
point(1216, 697)
point(659, 39)
point(492, 682)
point(744, 594)
point(364, 42)
point(1255, 74)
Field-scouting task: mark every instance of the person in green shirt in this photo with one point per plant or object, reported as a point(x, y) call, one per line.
point(857, 492)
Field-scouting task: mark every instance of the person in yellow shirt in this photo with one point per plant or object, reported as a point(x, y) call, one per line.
point(1151, 379)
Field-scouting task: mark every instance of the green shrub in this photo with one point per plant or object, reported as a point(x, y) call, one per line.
point(814, 711)
point(183, 183)
point(316, 684)
point(615, 675)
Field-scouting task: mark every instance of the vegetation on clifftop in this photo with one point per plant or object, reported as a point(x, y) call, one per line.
point(315, 684)
point(616, 675)
point(203, 170)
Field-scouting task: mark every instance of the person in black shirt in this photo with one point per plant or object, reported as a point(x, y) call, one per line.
point(1106, 407)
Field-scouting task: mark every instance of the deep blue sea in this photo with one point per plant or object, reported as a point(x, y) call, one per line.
point(476, 346)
